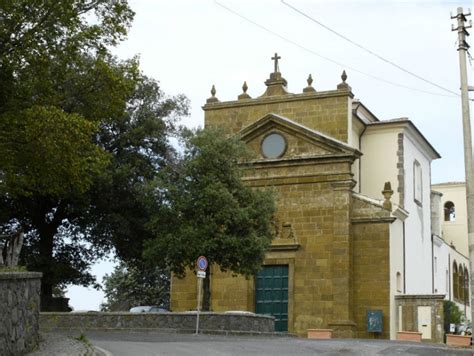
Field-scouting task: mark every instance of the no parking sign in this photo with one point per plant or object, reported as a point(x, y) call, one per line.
point(201, 263)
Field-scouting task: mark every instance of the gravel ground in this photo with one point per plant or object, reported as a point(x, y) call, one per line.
point(60, 345)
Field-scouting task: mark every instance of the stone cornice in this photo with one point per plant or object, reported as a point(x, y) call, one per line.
point(284, 247)
point(374, 220)
point(301, 161)
point(297, 179)
point(419, 296)
point(344, 185)
point(278, 99)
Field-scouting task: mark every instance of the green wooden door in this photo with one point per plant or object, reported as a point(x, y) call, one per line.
point(272, 294)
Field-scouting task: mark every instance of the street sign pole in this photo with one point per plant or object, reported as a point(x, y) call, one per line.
point(201, 265)
point(198, 304)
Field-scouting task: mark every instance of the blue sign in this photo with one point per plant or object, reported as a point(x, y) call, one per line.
point(374, 321)
point(201, 263)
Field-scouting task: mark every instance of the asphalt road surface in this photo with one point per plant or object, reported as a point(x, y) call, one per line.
point(154, 343)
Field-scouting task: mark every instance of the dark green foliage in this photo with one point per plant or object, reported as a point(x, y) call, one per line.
point(83, 136)
point(452, 314)
point(130, 286)
point(210, 211)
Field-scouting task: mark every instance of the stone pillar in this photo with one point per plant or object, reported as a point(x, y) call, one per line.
point(341, 262)
point(19, 312)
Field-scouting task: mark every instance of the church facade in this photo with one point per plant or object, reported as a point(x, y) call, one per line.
point(353, 231)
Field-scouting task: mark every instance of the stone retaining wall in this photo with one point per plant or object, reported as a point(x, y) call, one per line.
point(19, 312)
point(186, 321)
point(408, 306)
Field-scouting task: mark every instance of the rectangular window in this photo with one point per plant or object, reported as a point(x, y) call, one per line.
point(417, 183)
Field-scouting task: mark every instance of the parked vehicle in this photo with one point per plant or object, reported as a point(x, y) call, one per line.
point(148, 309)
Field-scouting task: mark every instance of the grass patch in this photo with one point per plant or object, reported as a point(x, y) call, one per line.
point(83, 338)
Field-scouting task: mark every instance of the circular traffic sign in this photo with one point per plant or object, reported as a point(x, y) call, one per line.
point(201, 263)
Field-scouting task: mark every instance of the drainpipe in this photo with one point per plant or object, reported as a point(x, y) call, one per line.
point(360, 158)
point(432, 264)
point(404, 267)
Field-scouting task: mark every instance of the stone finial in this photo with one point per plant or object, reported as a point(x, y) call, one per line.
point(213, 98)
point(276, 58)
point(343, 85)
point(276, 84)
point(344, 76)
point(387, 193)
point(309, 88)
point(244, 95)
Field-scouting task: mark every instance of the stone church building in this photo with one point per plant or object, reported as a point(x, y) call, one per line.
point(353, 231)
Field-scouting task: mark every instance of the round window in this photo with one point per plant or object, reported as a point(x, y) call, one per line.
point(273, 145)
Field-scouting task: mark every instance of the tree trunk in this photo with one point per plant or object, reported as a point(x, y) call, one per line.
point(206, 302)
point(46, 231)
point(45, 259)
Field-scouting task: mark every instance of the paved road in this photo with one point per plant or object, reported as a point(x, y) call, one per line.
point(154, 343)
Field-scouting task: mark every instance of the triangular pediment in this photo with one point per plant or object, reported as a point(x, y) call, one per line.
point(299, 141)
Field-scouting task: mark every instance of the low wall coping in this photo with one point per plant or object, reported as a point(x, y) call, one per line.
point(20, 275)
point(96, 313)
point(183, 321)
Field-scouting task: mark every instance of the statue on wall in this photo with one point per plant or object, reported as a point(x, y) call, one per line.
point(10, 247)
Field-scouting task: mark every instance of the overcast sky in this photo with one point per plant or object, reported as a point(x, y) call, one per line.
point(190, 45)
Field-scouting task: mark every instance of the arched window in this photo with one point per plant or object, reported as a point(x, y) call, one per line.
point(449, 211)
point(466, 285)
point(399, 282)
point(461, 283)
point(455, 281)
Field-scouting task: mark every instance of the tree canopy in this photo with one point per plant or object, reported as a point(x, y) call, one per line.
point(129, 286)
point(83, 136)
point(210, 211)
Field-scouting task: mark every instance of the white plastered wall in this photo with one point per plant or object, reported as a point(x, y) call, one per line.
point(418, 250)
point(379, 162)
point(443, 273)
point(455, 231)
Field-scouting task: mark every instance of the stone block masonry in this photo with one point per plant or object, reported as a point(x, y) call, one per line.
point(19, 312)
point(182, 322)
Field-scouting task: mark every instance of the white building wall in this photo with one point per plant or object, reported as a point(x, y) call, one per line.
point(455, 231)
point(418, 249)
point(379, 162)
point(443, 272)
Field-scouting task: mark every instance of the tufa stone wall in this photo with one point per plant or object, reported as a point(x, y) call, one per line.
point(313, 240)
point(208, 322)
point(371, 270)
point(335, 248)
point(19, 312)
point(327, 112)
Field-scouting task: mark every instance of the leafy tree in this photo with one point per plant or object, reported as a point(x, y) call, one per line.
point(130, 286)
point(210, 211)
point(452, 314)
point(83, 136)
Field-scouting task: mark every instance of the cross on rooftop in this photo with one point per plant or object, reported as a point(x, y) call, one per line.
point(276, 58)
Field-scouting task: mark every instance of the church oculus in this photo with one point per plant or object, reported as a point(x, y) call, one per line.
point(353, 231)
